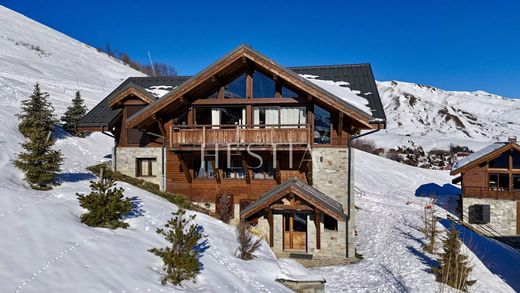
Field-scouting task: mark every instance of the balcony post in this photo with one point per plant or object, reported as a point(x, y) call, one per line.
point(203, 136)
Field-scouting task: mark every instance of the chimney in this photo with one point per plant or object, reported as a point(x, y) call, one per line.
point(512, 139)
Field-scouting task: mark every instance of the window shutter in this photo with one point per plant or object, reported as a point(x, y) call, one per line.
point(486, 214)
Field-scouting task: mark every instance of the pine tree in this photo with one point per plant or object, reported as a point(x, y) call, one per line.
point(181, 259)
point(106, 205)
point(39, 161)
point(454, 269)
point(74, 114)
point(246, 243)
point(37, 113)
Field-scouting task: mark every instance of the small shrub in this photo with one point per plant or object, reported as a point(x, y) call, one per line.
point(105, 204)
point(247, 245)
point(224, 208)
point(181, 258)
point(430, 226)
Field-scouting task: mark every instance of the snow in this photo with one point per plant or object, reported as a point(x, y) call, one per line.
point(486, 118)
point(294, 271)
point(160, 90)
point(388, 220)
point(44, 247)
point(341, 90)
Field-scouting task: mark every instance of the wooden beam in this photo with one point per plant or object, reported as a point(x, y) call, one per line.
point(191, 114)
point(185, 168)
point(285, 207)
point(277, 87)
point(221, 93)
point(256, 101)
point(310, 116)
point(249, 83)
point(340, 128)
point(216, 170)
point(159, 125)
point(317, 222)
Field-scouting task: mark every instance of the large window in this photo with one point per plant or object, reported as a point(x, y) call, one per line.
point(499, 182)
point(280, 116)
point(288, 93)
point(321, 125)
point(234, 170)
point(516, 159)
point(236, 89)
point(502, 162)
point(220, 116)
point(265, 170)
point(263, 86)
point(203, 169)
point(145, 167)
point(516, 181)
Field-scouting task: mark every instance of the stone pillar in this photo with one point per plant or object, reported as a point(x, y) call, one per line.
point(311, 233)
point(277, 233)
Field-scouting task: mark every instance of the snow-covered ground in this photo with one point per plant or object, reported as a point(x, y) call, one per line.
point(44, 247)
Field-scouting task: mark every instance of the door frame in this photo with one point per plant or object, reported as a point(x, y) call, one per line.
point(289, 215)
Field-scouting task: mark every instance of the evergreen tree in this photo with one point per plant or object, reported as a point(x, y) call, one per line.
point(106, 205)
point(39, 161)
point(37, 113)
point(247, 245)
point(454, 269)
point(181, 259)
point(74, 114)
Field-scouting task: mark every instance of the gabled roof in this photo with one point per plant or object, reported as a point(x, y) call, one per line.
point(483, 155)
point(261, 61)
point(359, 76)
point(103, 116)
point(301, 189)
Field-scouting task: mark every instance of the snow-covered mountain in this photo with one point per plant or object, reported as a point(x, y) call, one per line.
point(433, 117)
point(44, 247)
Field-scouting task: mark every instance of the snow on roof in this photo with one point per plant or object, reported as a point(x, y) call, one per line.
point(479, 154)
point(159, 90)
point(341, 90)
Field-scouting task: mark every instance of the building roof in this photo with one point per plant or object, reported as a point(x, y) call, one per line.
point(479, 156)
point(309, 193)
point(104, 116)
point(359, 76)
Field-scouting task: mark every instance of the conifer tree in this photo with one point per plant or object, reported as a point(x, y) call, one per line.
point(106, 205)
point(74, 114)
point(181, 258)
point(247, 245)
point(454, 268)
point(39, 161)
point(37, 113)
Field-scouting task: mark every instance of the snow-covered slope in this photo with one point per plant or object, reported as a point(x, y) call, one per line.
point(388, 223)
point(433, 117)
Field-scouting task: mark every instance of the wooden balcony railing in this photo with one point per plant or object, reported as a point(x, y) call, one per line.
point(482, 192)
point(202, 135)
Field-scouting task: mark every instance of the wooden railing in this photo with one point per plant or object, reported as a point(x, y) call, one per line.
point(483, 192)
point(202, 135)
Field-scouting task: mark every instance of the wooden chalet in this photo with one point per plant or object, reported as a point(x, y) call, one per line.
point(490, 180)
point(243, 128)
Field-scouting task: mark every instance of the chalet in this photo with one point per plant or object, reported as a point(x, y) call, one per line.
point(490, 180)
point(271, 140)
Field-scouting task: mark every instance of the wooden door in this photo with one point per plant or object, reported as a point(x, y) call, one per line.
point(295, 231)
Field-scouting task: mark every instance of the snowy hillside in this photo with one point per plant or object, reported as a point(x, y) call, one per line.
point(433, 117)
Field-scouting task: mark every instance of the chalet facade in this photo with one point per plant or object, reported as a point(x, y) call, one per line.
point(490, 180)
point(271, 140)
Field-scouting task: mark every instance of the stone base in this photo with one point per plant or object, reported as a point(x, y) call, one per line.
point(502, 215)
point(304, 286)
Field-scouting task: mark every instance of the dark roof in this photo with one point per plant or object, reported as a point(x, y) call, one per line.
point(359, 76)
point(103, 116)
point(311, 192)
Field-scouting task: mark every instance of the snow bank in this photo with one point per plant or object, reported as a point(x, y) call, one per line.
point(159, 90)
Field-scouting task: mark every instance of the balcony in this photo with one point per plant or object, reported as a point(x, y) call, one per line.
point(200, 136)
point(482, 192)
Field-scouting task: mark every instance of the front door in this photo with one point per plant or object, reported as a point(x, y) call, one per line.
point(295, 231)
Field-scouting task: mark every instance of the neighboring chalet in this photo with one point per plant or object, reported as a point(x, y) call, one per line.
point(270, 139)
point(490, 180)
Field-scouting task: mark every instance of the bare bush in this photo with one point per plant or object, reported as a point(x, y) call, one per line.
point(247, 245)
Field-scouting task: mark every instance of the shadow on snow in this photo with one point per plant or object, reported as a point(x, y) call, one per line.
point(75, 177)
point(446, 196)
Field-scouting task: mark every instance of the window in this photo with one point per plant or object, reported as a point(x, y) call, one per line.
point(265, 170)
point(145, 167)
point(236, 89)
point(203, 169)
point(479, 214)
point(516, 182)
point(288, 93)
point(502, 162)
point(330, 223)
point(499, 181)
point(321, 125)
point(280, 116)
point(516, 159)
point(235, 170)
point(203, 116)
point(263, 86)
point(220, 116)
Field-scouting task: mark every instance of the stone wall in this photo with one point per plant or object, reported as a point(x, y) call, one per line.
point(502, 214)
point(330, 176)
point(126, 161)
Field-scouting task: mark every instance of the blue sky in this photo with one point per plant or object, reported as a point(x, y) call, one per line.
point(457, 45)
